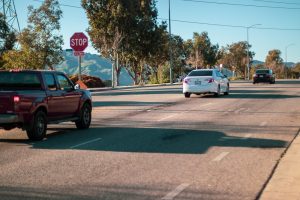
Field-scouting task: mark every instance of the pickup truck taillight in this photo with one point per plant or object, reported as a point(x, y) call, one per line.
point(16, 99)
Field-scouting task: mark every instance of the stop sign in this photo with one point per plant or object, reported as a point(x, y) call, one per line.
point(78, 41)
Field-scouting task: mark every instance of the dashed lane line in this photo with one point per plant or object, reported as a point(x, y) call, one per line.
point(220, 156)
point(175, 114)
point(176, 191)
point(247, 136)
point(263, 124)
point(84, 143)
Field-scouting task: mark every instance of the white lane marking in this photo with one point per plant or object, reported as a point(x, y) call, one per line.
point(220, 156)
point(206, 104)
point(176, 191)
point(246, 136)
point(173, 115)
point(263, 124)
point(168, 117)
point(81, 144)
point(239, 110)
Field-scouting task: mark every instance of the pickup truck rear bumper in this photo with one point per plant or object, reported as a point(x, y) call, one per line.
point(9, 119)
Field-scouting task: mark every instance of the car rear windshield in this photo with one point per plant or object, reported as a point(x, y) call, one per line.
point(201, 73)
point(19, 81)
point(263, 71)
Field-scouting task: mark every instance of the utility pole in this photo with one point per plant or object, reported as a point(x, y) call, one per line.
point(248, 59)
point(170, 47)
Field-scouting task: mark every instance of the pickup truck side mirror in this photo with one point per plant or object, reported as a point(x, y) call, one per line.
point(77, 87)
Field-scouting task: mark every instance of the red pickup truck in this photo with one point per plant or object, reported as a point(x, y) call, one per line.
point(31, 99)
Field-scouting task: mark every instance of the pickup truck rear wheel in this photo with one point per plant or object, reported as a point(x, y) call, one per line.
point(85, 117)
point(38, 127)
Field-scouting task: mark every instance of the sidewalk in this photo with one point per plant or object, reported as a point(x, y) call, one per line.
point(285, 182)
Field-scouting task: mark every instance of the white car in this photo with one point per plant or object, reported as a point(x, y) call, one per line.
point(205, 81)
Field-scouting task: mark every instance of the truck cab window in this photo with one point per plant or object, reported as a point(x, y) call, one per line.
point(50, 81)
point(64, 83)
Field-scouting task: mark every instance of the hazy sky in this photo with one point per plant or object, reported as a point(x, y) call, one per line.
point(224, 20)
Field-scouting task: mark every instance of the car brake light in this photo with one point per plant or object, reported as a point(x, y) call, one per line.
point(186, 80)
point(16, 99)
point(210, 80)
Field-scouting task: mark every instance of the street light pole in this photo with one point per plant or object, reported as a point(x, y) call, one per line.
point(248, 62)
point(170, 48)
point(286, 48)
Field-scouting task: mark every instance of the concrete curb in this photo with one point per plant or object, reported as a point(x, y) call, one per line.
point(284, 182)
point(130, 87)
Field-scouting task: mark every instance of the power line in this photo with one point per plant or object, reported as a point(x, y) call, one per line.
point(221, 3)
point(278, 2)
point(203, 23)
point(239, 4)
point(65, 5)
point(233, 26)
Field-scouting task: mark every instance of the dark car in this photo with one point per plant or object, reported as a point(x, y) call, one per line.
point(264, 76)
point(32, 99)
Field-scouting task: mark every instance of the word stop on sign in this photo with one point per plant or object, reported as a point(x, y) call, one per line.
point(79, 42)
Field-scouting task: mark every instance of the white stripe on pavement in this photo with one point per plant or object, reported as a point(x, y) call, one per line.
point(263, 124)
point(167, 117)
point(84, 143)
point(175, 114)
point(239, 110)
point(176, 191)
point(246, 136)
point(220, 156)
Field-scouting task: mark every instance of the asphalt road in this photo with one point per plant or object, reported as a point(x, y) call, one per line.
point(152, 143)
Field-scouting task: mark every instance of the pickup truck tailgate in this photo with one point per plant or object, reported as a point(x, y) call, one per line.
point(6, 102)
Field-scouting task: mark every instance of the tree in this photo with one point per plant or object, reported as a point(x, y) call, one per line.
point(40, 45)
point(159, 55)
point(275, 62)
point(235, 56)
point(202, 53)
point(109, 23)
point(7, 38)
point(296, 71)
point(178, 55)
point(124, 31)
point(145, 42)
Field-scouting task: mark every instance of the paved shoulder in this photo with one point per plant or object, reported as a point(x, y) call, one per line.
point(285, 182)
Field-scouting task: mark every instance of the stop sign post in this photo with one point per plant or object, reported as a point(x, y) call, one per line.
point(78, 42)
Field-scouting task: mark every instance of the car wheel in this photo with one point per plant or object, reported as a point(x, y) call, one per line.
point(38, 126)
point(85, 117)
point(227, 90)
point(187, 95)
point(218, 91)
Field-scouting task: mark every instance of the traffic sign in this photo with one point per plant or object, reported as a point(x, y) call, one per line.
point(78, 53)
point(78, 41)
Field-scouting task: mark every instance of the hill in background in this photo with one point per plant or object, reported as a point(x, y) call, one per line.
point(257, 62)
point(98, 66)
point(93, 65)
